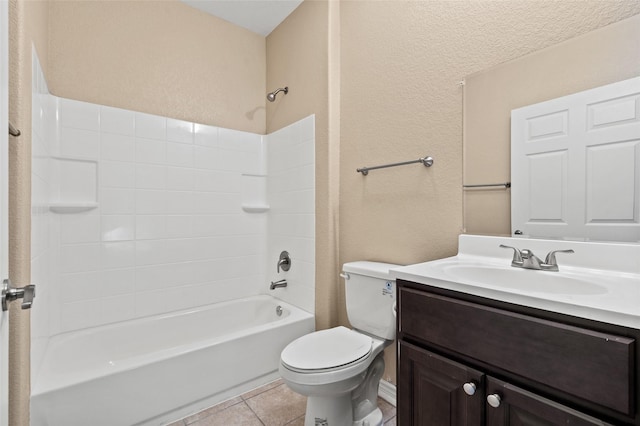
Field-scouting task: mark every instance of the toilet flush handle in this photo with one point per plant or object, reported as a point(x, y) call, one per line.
point(345, 276)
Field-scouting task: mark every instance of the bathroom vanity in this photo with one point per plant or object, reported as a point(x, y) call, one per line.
point(472, 353)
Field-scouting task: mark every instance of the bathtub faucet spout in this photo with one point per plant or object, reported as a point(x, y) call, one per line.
point(278, 284)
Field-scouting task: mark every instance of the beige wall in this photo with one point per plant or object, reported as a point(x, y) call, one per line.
point(161, 57)
point(597, 58)
point(28, 25)
point(401, 65)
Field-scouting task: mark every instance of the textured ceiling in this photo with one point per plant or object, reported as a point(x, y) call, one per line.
point(259, 16)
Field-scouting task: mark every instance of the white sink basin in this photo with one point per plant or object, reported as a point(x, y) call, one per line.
point(600, 281)
point(522, 279)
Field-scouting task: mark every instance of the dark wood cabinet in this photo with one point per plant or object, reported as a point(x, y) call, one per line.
point(518, 407)
point(436, 389)
point(522, 367)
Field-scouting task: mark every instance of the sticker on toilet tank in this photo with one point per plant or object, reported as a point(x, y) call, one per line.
point(387, 290)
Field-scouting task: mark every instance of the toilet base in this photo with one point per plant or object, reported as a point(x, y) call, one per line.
point(373, 419)
point(329, 411)
point(326, 411)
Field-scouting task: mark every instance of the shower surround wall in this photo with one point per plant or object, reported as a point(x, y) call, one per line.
point(136, 215)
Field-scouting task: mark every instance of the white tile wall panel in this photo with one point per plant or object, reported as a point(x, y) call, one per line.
point(151, 126)
point(151, 227)
point(151, 252)
point(117, 308)
point(80, 257)
point(43, 246)
point(242, 161)
point(78, 315)
point(151, 151)
point(150, 201)
point(117, 175)
point(117, 201)
point(116, 120)
point(170, 232)
point(181, 227)
point(291, 227)
point(79, 143)
point(217, 203)
point(180, 131)
point(118, 227)
point(181, 202)
point(148, 176)
point(79, 115)
point(80, 286)
point(117, 282)
point(181, 178)
point(41, 165)
point(117, 147)
point(217, 181)
point(206, 158)
point(118, 254)
point(237, 140)
point(180, 154)
point(80, 228)
point(206, 135)
point(157, 277)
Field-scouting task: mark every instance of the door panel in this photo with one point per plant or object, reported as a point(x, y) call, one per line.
point(575, 165)
point(431, 390)
point(521, 408)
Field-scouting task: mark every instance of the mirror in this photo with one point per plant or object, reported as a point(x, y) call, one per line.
point(595, 59)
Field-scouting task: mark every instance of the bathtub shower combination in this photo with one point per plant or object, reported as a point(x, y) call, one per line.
point(154, 241)
point(156, 370)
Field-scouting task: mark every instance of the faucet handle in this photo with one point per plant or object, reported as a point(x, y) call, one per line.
point(284, 261)
point(551, 257)
point(517, 255)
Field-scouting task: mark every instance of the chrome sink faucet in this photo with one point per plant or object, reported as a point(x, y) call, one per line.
point(526, 259)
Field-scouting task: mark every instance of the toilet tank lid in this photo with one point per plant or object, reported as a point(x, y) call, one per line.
point(370, 269)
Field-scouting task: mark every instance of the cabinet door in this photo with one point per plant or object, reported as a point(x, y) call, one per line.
point(432, 391)
point(510, 405)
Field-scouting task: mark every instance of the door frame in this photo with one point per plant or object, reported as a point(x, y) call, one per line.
point(4, 185)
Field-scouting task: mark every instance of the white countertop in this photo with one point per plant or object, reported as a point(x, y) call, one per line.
point(600, 281)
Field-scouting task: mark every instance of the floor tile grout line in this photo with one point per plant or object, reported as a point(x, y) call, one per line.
point(212, 414)
point(254, 413)
point(266, 389)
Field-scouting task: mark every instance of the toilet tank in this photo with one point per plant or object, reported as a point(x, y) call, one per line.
point(370, 295)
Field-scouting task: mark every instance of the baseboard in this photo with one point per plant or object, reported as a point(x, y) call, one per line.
point(387, 391)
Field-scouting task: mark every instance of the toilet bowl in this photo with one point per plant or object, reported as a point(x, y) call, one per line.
point(339, 369)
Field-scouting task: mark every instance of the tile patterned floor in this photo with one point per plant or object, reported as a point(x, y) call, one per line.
point(273, 404)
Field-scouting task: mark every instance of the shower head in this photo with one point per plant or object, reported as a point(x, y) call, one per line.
point(272, 96)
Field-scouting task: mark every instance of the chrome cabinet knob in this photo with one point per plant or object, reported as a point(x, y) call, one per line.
point(494, 400)
point(469, 388)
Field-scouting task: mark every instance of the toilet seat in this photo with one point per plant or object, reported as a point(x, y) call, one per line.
point(327, 350)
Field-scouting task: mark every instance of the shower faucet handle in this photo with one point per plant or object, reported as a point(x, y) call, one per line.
point(284, 261)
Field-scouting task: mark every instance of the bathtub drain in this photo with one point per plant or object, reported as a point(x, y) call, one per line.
point(279, 310)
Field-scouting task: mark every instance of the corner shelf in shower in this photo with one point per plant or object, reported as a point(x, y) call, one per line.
point(65, 208)
point(254, 193)
point(76, 185)
point(255, 208)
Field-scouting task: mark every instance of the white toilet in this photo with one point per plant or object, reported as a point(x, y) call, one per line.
point(339, 369)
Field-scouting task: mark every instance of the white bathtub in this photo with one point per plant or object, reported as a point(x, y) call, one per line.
point(155, 370)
